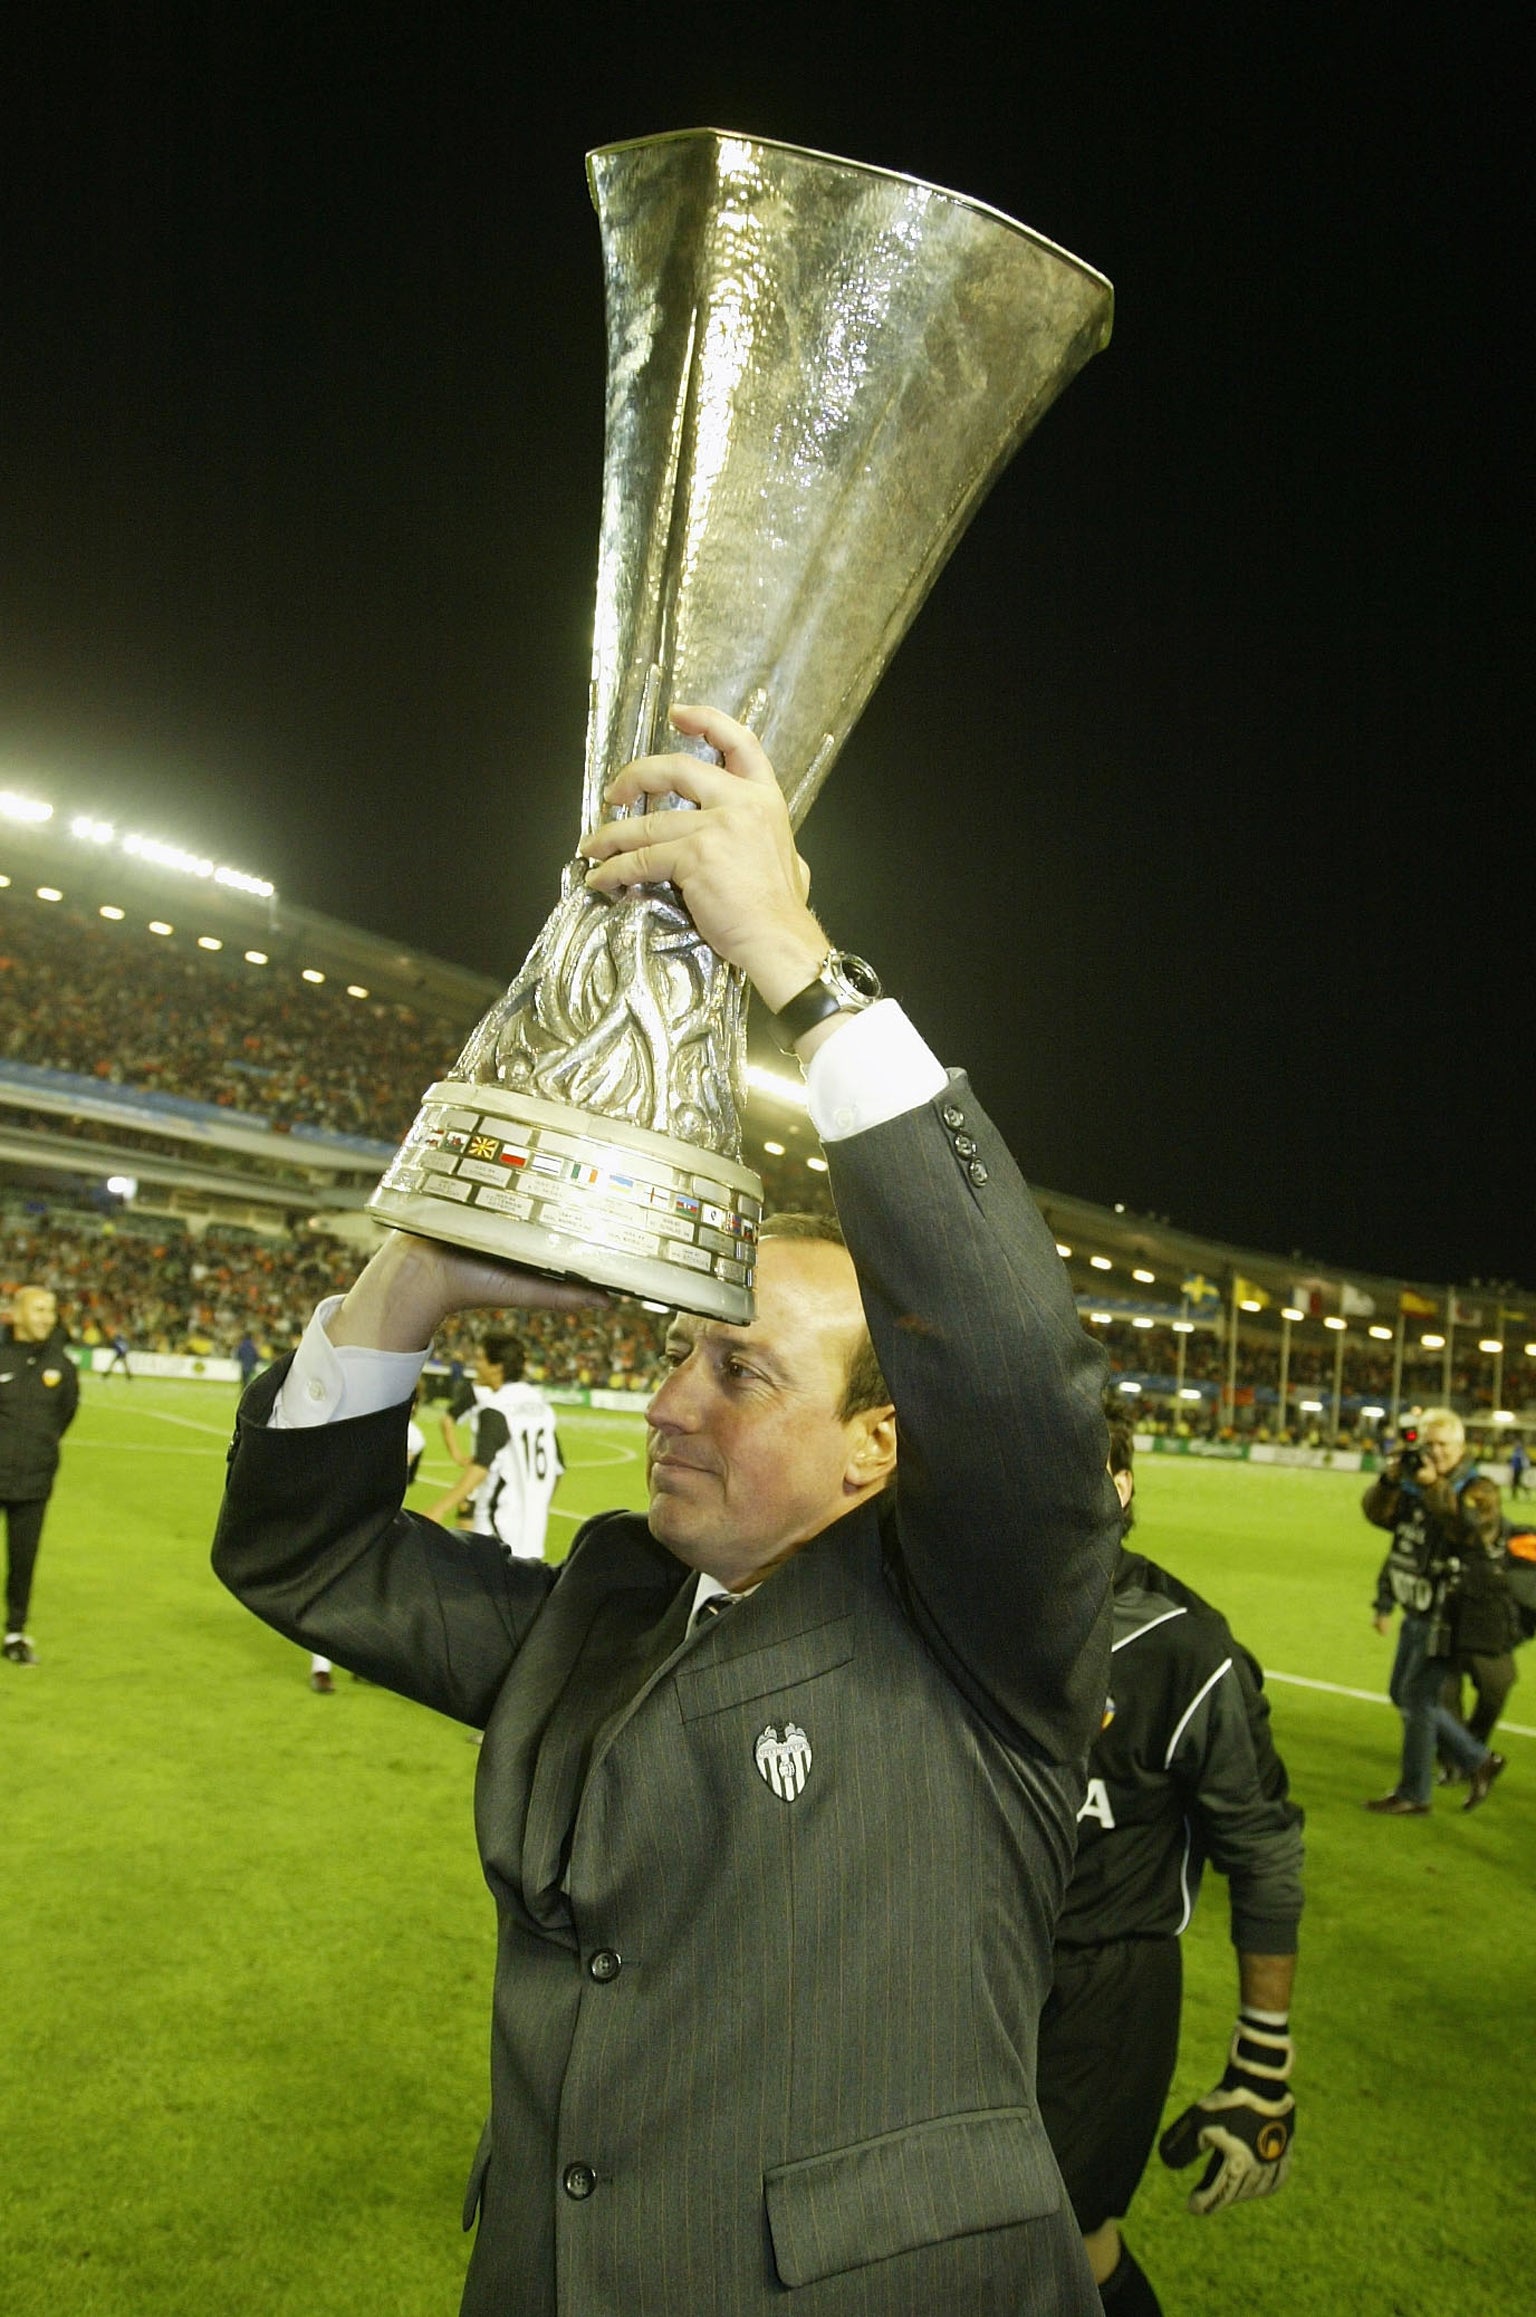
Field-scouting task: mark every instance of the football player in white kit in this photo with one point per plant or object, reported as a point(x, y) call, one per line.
point(516, 1458)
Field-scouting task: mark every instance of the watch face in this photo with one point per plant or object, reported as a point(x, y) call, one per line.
point(852, 977)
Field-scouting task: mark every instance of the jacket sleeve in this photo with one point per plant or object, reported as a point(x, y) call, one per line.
point(313, 1538)
point(1380, 1502)
point(1385, 1602)
point(69, 1387)
point(1239, 1797)
point(1005, 1518)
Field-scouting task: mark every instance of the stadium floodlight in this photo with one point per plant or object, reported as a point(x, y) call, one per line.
point(4, 881)
point(1250, 1303)
point(158, 925)
point(1183, 1327)
point(197, 865)
point(774, 1149)
point(209, 941)
point(1147, 1278)
point(1530, 1351)
point(1383, 1335)
point(1140, 1322)
point(312, 973)
point(49, 893)
point(1100, 1263)
point(91, 832)
point(818, 1166)
point(1101, 1318)
point(1289, 1311)
point(1127, 1384)
point(1375, 1414)
point(123, 1186)
point(1190, 1392)
point(1502, 1416)
point(1062, 1249)
point(23, 808)
point(1310, 1407)
point(256, 957)
point(1338, 1325)
point(647, 1305)
point(1432, 1343)
point(1489, 1343)
point(110, 910)
point(789, 1091)
point(356, 990)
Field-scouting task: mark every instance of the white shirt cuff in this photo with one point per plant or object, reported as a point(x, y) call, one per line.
point(876, 1068)
point(329, 1381)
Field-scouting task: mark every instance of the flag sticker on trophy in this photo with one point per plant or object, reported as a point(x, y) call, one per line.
point(816, 370)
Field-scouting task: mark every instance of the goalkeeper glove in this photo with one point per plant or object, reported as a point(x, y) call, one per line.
point(1247, 2123)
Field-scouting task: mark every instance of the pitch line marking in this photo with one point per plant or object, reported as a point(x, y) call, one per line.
point(1371, 1697)
point(164, 1416)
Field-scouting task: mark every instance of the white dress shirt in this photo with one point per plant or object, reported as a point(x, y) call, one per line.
point(875, 1068)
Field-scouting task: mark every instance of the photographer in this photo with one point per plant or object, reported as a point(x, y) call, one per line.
point(1419, 1500)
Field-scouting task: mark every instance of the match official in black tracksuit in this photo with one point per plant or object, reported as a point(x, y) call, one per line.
point(1182, 1771)
point(39, 1393)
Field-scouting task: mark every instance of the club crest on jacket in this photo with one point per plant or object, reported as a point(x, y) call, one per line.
point(784, 1762)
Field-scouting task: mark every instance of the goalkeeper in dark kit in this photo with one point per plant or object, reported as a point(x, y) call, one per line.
point(1183, 1771)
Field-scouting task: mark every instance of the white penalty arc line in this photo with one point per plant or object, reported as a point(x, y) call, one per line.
point(1370, 1697)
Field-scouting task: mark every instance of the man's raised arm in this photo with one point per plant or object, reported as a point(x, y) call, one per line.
point(312, 1534)
point(1008, 1520)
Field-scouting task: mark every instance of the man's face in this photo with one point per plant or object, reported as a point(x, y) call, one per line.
point(1442, 1447)
point(487, 1372)
point(748, 1456)
point(34, 1314)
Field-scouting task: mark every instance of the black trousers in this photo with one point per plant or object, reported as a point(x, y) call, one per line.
point(1109, 2039)
point(1492, 1678)
point(23, 1535)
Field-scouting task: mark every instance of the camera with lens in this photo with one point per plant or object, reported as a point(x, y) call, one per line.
point(1412, 1448)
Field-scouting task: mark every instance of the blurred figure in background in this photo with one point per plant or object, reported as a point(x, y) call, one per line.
point(1419, 1500)
point(39, 1393)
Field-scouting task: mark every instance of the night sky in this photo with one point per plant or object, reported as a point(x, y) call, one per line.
point(1189, 816)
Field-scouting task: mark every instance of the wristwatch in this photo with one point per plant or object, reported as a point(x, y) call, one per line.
point(844, 984)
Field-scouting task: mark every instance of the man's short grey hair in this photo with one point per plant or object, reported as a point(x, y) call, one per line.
point(866, 1386)
point(1443, 1420)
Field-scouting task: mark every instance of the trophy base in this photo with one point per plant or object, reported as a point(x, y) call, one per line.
point(570, 1192)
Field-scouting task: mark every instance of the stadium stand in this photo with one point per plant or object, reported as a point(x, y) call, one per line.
point(248, 1068)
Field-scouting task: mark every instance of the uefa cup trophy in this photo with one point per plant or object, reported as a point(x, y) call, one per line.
point(816, 370)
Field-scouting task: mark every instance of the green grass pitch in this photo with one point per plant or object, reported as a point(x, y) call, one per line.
point(246, 1952)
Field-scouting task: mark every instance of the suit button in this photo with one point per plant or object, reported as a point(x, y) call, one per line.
point(579, 2180)
point(952, 1115)
point(965, 1146)
point(977, 1173)
point(605, 1964)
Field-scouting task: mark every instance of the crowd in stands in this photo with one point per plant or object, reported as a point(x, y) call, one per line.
point(168, 1290)
point(115, 1002)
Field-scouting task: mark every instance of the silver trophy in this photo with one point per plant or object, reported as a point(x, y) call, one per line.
point(815, 372)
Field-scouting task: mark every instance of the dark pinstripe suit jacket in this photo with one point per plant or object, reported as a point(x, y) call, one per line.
point(787, 2044)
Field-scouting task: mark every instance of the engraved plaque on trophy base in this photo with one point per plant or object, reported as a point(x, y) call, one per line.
point(561, 1190)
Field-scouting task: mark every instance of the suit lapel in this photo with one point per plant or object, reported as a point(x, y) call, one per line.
point(808, 1592)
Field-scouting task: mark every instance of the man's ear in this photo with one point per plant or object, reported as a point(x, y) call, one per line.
point(872, 1449)
point(1125, 1488)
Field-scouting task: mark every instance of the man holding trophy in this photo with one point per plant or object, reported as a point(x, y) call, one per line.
point(778, 1787)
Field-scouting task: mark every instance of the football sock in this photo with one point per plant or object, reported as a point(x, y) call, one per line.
point(1126, 2291)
